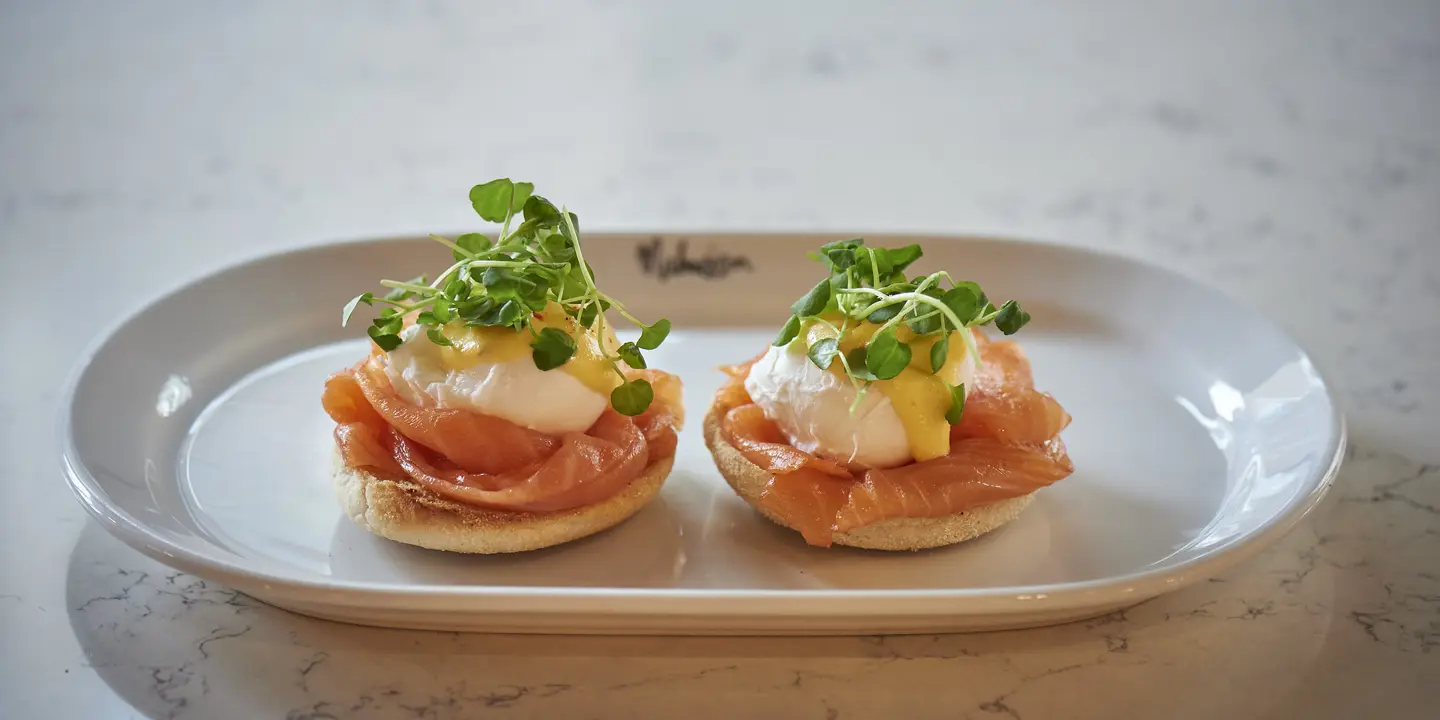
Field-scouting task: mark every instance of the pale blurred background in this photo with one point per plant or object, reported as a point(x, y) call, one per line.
point(1286, 152)
point(1246, 144)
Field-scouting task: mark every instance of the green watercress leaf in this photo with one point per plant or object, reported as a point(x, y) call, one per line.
point(552, 348)
point(840, 256)
point(456, 289)
point(390, 322)
point(856, 360)
point(652, 335)
point(632, 397)
point(491, 200)
point(557, 248)
point(541, 211)
point(1011, 318)
point(472, 311)
point(887, 356)
point(441, 311)
point(536, 298)
point(823, 352)
point(939, 352)
point(476, 243)
point(870, 262)
point(437, 336)
point(927, 322)
point(957, 403)
point(963, 301)
point(632, 356)
point(366, 298)
point(814, 301)
point(885, 313)
point(505, 284)
point(506, 313)
point(902, 258)
point(522, 195)
point(788, 332)
point(975, 288)
point(386, 340)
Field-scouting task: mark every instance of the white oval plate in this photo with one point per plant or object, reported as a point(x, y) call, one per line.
point(194, 433)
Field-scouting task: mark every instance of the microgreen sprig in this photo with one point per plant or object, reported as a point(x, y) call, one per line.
point(508, 281)
point(869, 285)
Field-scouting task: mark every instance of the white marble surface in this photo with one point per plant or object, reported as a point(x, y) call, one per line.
point(1288, 153)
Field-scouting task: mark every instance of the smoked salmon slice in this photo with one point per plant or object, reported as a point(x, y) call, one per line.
point(1006, 445)
point(1003, 403)
point(978, 471)
point(472, 441)
point(584, 470)
point(761, 441)
point(490, 462)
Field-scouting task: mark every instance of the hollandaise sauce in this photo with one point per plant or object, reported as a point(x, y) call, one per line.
point(918, 396)
point(470, 345)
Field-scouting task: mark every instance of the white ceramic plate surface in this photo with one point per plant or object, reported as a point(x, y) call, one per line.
point(193, 432)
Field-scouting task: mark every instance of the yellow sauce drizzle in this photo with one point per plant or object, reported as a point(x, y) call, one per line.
point(919, 398)
point(470, 345)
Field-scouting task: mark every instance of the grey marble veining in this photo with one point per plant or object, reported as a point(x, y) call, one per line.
point(1286, 152)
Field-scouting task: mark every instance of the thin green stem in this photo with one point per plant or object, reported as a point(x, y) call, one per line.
point(448, 271)
point(621, 309)
point(592, 291)
point(887, 300)
point(859, 395)
point(926, 316)
point(900, 316)
point(830, 325)
point(929, 280)
point(449, 244)
point(407, 308)
point(579, 254)
point(839, 336)
point(469, 263)
point(412, 287)
point(845, 363)
point(987, 318)
point(600, 326)
point(509, 213)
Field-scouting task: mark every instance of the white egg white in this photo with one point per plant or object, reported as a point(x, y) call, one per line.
point(551, 402)
point(812, 407)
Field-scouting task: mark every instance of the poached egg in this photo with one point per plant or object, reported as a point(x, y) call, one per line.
point(490, 370)
point(898, 421)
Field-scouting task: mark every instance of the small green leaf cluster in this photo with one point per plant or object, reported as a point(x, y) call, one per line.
point(870, 285)
point(508, 280)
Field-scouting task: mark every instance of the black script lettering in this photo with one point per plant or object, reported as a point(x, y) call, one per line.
point(658, 261)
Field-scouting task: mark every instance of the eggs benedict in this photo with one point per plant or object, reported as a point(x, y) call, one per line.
point(882, 416)
point(497, 411)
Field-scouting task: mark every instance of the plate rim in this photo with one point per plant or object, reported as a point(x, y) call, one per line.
point(1056, 597)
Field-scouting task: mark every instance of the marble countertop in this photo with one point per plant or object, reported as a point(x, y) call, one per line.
point(1287, 153)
